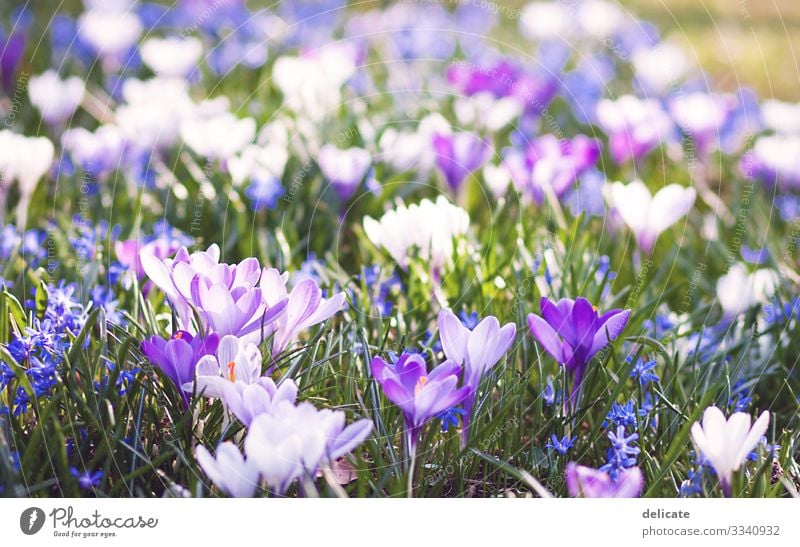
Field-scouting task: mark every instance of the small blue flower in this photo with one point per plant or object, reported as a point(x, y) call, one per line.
point(469, 320)
point(622, 454)
point(561, 446)
point(644, 371)
point(451, 416)
point(87, 480)
point(622, 415)
point(264, 192)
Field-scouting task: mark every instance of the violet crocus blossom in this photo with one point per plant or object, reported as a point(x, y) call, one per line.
point(478, 350)
point(246, 401)
point(229, 470)
point(178, 356)
point(295, 441)
point(572, 332)
point(551, 165)
point(592, 483)
point(727, 443)
point(419, 394)
point(634, 126)
point(702, 117)
point(344, 169)
point(227, 296)
point(649, 215)
point(458, 155)
point(11, 52)
point(233, 362)
point(305, 306)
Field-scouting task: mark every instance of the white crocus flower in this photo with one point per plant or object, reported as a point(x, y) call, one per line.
point(24, 160)
point(111, 33)
point(234, 361)
point(229, 470)
point(218, 137)
point(726, 443)
point(546, 21)
point(738, 290)
point(649, 215)
point(257, 162)
point(781, 117)
point(55, 98)
point(659, 67)
point(171, 57)
point(429, 228)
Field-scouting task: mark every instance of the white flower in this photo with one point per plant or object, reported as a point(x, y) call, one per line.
point(110, 33)
point(258, 162)
point(600, 18)
point(726, 444)
point(660, 66)
point(311, 84)
point(229, 470)
point(546, 21)
point(738, 290)
point(24, 160)
point(485, 110)
point(171, 57)
point(55, 98)
point(218, 137)
point(99, 151)
point(646, 215)
point(234, 361)
point(497, 178)
point(781, 117)
point(428, 228)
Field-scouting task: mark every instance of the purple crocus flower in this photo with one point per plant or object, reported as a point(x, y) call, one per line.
point(572, 332)
point(592, 483)
point(10, 56)
point(419, 394)
point(550, 164)
point(634, 126)
point(478, 350)
point(458, 155)
point(178, 356)
point(503, 79)
point(345, 169)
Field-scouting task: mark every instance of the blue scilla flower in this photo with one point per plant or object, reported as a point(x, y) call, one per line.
point(622, 415)
point(264, 192)
point(87, 480)
point(740, 398)
point(451, 417)
point(103, 297)
point(644, 371)
point(469, 320)
point(770, 449)
point(694, 478)
point(6, 375)
point(549, 393)
point(562, 445)
point(622, 454)
point(659, 327)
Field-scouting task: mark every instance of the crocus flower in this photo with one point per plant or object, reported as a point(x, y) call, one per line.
point(551, 165)
point(24, 160)
point(659, 67)
point(344, 169)
point(172, 57)
point(229, 470)
point(219, 137)
point(477, 350)
point(227, 295)
point(305, 306)
point(10, 56)
point(738, 290)
point(246, 401)
point(419, 394)
point(293, 441)
point(233, 361)
point(572, 332)
point(775, 160)
point(648, 215)
point(592, 483)
point(727, 443)
point(55, 98)
point(702, 116)
point(427, 230)
point(781, 117)
point(111, 33)
point(178, 356)
point(98, 152)
point(634, 126)
point(458, 155)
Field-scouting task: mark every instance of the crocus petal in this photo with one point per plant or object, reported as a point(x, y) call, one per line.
point(547, 337)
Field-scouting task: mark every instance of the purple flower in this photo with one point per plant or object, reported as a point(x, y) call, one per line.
point(10, 56)
point(551, 165)
point(344, 169)
point(572, 332)
point(562, 445)
point(305, 306)
point(458, 155)
point(419, 394)
point(178, 356)
point(478, 350)
point(634, 126)
point(593, 483)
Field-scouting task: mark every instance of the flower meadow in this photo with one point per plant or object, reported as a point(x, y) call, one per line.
point(425, 249)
